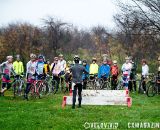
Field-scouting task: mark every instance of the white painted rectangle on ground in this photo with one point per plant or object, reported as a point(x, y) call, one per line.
point(105, 93)
point(90, 100)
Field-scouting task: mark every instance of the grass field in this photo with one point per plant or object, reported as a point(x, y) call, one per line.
point(47, 113)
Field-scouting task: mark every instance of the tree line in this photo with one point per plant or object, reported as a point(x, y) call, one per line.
point(137, 34)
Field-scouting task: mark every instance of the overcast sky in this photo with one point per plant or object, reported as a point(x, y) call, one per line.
point(82, 13)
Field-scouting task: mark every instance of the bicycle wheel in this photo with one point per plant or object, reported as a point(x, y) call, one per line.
point(101, 82)
point(119, 85)
point(18, 88)
point(140, 88)
point(90, 84)
point(15, 88)
point(33, 91)
point(50, 86)
point(54, 84)
point(151, 89)
point(43, 88)
point(106, 85)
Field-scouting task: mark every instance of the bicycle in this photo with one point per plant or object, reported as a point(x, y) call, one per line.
point(104, 83)
point(50, 83)
point(153, 87)
point(92, 82)
point(18, 86)
point(38, 88)
point(140, 86)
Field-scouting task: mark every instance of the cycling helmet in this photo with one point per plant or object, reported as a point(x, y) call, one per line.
point(76, 57)
point(69, 62)
point(60, 55)
point(94, 59)
point(114, 62)
point(17, 56)
point(32, 55)
point(127, 58)
point(9, 57)
point(40, 57)
point(56, 58)
point(84, 61)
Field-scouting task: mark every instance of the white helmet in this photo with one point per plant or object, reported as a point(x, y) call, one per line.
point(9, 57)
point(159, 68)
point(114, 62)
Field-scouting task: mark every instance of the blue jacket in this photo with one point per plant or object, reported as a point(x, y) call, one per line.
point(87, 70)
point(40, 67)
point(104, 71)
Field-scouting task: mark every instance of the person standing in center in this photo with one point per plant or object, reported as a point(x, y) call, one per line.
point(77, 72)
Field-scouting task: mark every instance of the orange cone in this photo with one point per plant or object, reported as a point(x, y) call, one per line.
point(129, 101)
point(127, 93)
point(64, 101)
point(70, 92)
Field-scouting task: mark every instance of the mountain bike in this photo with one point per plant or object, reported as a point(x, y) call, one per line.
point(93, 82)
point(39, 88)
point(104, 83)
point(18, 86)
point(153, 87)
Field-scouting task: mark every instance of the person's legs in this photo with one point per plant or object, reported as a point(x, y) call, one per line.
point(79, 94)
point(4, 88)
point(130, 85)
point(57, 84)
point(84, 83)
point(74, 96)
point(114, 82)
point(135, 87)
point(144, 84)
point(28, 87)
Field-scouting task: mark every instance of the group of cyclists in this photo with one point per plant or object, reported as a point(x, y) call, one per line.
point(38, 68)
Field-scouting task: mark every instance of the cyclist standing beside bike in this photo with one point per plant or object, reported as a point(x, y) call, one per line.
point(40, 70)
point(18, 66)
point(56, 70)
point(133, 73)
point(114, 74)
point(145, 72)
point(126, 70)
point(93, 69)
point(6, 69)
point(85, 76)
point(104, 70)
point(30, 73)
point(62, 64)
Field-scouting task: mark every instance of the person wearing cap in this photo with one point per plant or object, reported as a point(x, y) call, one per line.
point(30, 73)
point(77, 71)
point(104, 70)
point(85, 76)
point(56, 70)
point(114, 74)
point(145, 73)
point(133, 73)
point(6, 68)
point(18, 66)
point(40, 72)
point(126, 70)
point(93, 69)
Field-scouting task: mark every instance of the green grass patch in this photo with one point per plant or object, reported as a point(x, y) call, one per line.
point(47, 113)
